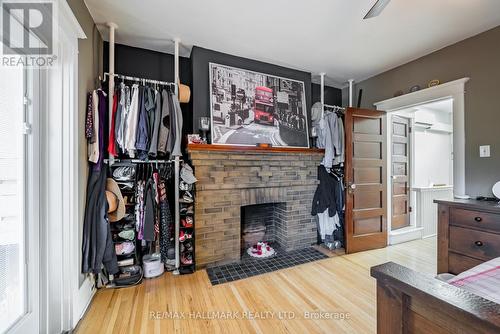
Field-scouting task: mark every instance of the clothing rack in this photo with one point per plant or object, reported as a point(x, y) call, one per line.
point(144, 80)
point(112, 75)
point(137, 161)
point(334, 108)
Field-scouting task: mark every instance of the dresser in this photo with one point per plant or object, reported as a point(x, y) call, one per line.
point(468, 234)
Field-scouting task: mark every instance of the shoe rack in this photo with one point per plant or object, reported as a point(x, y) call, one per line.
point(186, 234)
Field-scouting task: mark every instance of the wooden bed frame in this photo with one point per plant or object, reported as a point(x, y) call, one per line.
point(413, 302)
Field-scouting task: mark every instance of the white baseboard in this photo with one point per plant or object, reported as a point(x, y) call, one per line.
point(405, 235)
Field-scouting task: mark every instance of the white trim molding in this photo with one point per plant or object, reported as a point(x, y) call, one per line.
point(456, 91)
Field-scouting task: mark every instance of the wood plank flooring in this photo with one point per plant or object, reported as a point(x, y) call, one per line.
point(277, 302)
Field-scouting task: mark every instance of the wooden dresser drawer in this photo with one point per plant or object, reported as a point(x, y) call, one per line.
point(475, 219)
point(459, 263)
point(473, 243)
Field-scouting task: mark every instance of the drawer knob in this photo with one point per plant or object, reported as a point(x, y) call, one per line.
point(478, 219)
point(478, 243)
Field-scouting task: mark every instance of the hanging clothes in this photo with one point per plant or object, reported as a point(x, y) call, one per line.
point(139, 210)
point(89, 119)
point(153, 147)
point(112, 150)
point(97, 244)
point(166, 221)
point(141, 143)
point(332, 130)
point(93, 146)
point(132, 121)
point(149, 211)
point(122, 115)
point(165, 132)
point(102, 112)
point(177, 130)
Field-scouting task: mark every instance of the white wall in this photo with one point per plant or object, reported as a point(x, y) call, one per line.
point(433, 158)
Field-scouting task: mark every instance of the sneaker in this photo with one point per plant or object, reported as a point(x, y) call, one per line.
point(186, 198)
point(186, 258)
point(188, 245)
point(185, 186)
point(124, 173)
point(188, 210)
point(127, 234)
point(124, 248)
point(184, 236)
point(187, 222)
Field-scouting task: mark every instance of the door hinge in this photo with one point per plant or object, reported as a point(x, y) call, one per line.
point(26, 128)
point(26, 100)
point(410, 209)
point(409, 129)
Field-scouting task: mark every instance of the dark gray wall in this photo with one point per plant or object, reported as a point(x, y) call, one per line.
point(333, 96)
point(200, 58)
point(478, 58)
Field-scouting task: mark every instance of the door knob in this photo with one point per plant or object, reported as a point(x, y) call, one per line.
point(351, 187)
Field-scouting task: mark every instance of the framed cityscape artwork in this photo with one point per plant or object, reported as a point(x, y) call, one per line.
point(249, 108)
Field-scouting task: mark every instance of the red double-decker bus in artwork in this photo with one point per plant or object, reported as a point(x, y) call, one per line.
point(263, 107)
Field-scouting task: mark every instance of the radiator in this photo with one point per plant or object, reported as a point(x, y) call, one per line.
point(427, 209)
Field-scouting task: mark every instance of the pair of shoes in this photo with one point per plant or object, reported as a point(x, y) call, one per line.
point(185, 186)
point(186, 198)
point(187, 258)
point(188, 210)
point(124, 248)
point(187, 247)
point(183, 236)
point(127, 234)
point(124, 173)
point(187, 222)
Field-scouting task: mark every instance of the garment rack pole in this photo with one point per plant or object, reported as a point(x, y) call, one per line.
point(322, 76)
point(111, 87)
point(127, 77)
point(177, 167)
point(322, 94)
point(350, 92)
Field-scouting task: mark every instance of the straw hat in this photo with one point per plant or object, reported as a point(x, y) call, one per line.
point(116, 204)
point(184, 93)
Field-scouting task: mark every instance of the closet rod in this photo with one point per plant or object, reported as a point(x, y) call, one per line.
point(336, 108)
point(127, 77)
point(137, 161)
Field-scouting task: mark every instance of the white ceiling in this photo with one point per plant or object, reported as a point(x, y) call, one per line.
point(315, 35)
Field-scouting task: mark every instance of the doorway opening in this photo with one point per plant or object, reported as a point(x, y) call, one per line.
point(421, 167)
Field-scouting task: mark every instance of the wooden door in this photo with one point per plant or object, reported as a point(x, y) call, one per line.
point(400, 170)
point(365, 170)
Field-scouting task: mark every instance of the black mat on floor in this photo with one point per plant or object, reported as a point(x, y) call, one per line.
point(249, 266)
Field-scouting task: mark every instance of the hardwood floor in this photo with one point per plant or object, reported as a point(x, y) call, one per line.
point(274, 303)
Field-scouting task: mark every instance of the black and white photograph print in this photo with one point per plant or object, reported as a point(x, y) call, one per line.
point(249, 108)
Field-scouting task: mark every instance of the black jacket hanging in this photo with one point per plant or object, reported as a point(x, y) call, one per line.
point(149, 211)
point(324, 197)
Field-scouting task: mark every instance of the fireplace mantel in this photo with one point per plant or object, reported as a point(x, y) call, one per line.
point(274, 149)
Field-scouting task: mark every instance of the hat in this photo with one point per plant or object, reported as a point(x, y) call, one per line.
point(116, 210)
point(316, 111)
point(187, 174)
point(184, 93)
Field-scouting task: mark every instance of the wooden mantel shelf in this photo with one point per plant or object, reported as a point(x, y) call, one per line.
point(215, 147)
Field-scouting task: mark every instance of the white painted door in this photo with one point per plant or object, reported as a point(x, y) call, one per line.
point(19, 263)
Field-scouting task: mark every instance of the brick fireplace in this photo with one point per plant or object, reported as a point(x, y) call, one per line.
point(230, 178)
